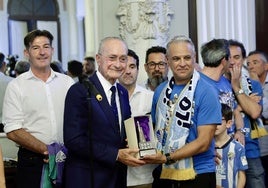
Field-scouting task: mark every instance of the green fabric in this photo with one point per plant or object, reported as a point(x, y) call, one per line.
point(49, 173)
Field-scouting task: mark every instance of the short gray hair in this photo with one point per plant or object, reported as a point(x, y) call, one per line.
point(180, 38)
point(103, 41)
point(22, 66)
point(214, 51)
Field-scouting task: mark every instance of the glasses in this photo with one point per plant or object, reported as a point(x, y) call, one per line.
point(152, 65)
point(122, 59)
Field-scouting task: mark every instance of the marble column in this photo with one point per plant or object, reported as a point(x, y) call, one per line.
point(89, 28)
point(73, 30)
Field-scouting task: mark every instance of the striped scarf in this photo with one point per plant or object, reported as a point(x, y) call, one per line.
point(172, 127)
point(257, 128)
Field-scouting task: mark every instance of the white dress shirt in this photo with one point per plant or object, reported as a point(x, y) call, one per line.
point(37, 106)
point(106, 87)
point(141, 104)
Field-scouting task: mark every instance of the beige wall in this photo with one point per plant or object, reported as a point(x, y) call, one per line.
point(9, 147)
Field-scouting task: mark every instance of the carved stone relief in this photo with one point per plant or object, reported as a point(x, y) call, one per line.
point(144, 19)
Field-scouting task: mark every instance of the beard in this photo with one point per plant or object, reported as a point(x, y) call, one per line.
point(90, 72)
point(156, 80)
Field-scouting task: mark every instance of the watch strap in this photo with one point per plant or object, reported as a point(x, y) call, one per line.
point(239, 92)
point(169, 160)
point(241, 130)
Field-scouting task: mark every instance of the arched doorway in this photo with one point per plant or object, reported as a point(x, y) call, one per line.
point(27, 15)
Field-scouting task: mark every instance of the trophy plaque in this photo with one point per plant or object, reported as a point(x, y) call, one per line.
point(140, 134)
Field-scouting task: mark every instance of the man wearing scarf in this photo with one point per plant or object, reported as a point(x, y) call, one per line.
point(185, 112)
point(248, 93)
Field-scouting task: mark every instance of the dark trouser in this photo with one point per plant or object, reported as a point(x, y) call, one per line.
point(206, 180)
point(264, 161)
point(201, 180)
point(254, 174)
point(29, 169)
point(1, 127)
point(162, 183)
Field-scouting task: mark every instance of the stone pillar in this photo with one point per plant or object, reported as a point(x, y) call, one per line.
point(73, 48)
point(64, 25)
point(144, 23)
point(81, 39)
point(89, 28)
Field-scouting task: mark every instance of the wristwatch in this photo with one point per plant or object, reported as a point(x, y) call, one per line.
point(239, 92)
point(242, 130)
point(169, 160)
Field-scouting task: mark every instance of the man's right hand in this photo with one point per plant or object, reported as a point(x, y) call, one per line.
point(126, 156)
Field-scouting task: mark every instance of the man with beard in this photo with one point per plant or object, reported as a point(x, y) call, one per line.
point(156, 67)
point(89, 66)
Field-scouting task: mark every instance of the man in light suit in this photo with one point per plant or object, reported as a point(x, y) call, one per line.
point(95, 139)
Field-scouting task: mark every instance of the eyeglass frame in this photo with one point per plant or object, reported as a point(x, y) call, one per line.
point(161, 63)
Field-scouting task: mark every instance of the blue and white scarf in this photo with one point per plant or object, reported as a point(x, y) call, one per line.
point(172, 127)
point(257, 128)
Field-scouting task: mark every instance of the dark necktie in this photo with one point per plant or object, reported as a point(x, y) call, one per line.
point(113, 104)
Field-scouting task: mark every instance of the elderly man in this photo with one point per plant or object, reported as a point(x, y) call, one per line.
point(257, 63)
point(94, 131)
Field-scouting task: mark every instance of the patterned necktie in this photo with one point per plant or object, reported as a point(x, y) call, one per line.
point(113, 104)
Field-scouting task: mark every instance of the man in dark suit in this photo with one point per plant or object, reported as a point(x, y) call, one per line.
point(93, 134)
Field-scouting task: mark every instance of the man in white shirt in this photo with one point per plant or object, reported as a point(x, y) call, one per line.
point(33, 108)
point(4, 80)
point(140, 102)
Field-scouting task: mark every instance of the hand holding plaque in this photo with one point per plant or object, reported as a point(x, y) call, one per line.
point(140, 134)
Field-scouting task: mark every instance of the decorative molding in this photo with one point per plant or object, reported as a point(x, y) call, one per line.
point(146, 20)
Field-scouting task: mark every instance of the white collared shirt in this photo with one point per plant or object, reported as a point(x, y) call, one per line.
point(37, 106)
point(106, 87)
point(141, 104)
point(141, 101)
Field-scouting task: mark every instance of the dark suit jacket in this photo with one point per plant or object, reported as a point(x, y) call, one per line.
point(106, 138)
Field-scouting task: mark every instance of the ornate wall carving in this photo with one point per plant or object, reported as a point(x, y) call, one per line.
point(143, 24)
point(144, 19)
